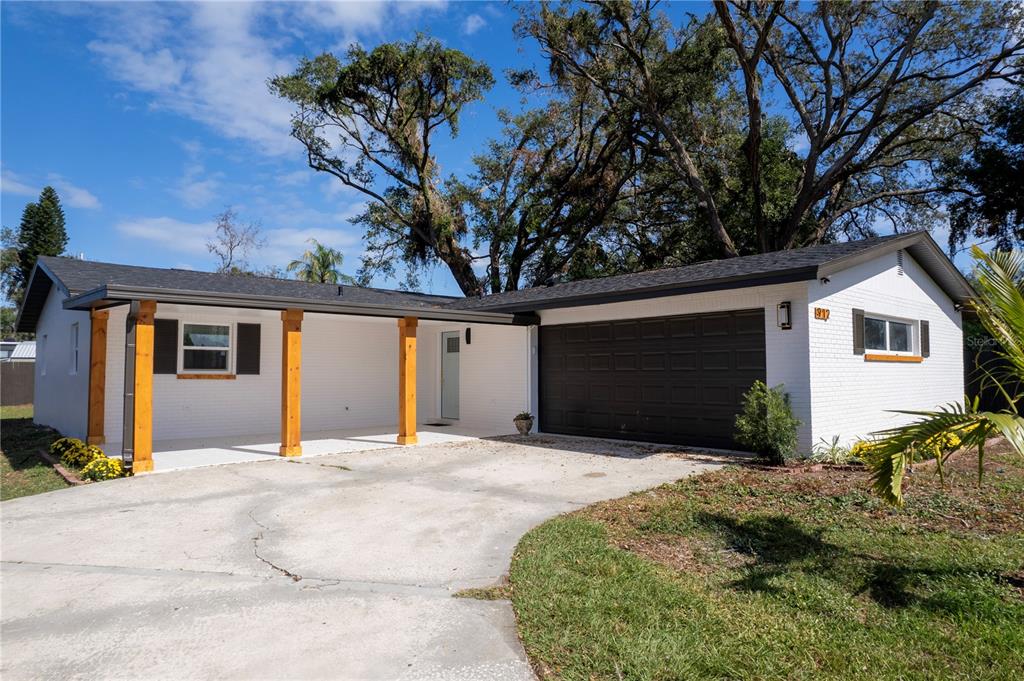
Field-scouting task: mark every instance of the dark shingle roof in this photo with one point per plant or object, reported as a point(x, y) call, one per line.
point(792, 265)
point(100, 283)
point(79, 276)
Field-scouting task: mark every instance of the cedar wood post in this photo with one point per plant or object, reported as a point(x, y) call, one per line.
point(97, 375)
point(291, 385)
point(407, 380)
point(142, 389)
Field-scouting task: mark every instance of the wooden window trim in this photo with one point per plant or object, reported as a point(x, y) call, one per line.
point(910, 359)
point(207, 377)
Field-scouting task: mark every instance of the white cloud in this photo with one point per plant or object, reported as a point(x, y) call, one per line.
point(195, 192)
point(11, 183)
point(156, 71)
point(73, 195)
point(210, 61)
point(169, 233)
point(473, 23)
point(70, 194)
point(283, 244)
point(294, 178)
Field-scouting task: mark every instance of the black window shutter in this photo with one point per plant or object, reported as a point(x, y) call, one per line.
point(858, 332)
point(926, 340)
point(165, 346)
point(248, 361)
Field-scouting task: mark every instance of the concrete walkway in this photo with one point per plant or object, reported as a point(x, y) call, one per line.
point(176, 455)
point(337, 567)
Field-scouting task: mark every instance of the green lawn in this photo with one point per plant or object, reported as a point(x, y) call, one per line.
point(21, 471)
point(757, 574)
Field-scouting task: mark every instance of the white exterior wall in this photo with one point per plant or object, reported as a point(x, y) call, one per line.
point(494, 374)
point(61, 396)
point(785, 351)
point(349, 377)
point(851, 397)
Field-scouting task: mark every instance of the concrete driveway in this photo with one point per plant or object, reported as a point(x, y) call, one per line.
point(339, 567)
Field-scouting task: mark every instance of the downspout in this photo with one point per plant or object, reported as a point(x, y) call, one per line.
point(128, 420)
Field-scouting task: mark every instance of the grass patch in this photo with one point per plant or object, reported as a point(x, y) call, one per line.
point(16, 411)
point(21, 472)
point(782, 574)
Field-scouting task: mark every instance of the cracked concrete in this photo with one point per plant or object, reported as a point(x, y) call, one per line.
point(267, 570)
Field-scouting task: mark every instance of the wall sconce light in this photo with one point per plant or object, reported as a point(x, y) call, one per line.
point(469, 336)
point(784, 315)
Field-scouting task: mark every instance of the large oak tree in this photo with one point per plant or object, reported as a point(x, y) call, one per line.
point(877, 93)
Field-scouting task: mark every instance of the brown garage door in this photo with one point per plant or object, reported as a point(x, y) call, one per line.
point(666, 379)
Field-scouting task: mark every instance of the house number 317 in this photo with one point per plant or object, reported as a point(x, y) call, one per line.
point(821, 313)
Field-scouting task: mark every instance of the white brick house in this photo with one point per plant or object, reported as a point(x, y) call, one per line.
point(851, 330)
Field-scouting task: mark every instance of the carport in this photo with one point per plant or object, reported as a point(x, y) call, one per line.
point(182, 368)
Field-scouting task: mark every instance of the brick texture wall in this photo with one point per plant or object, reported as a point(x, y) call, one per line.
point(852, 398)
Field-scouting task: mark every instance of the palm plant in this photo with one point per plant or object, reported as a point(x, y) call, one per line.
point(320, 264)
point(1000, 309)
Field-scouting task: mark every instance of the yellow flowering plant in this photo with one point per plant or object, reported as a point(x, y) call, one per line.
point(103, 468)
point(77, 454)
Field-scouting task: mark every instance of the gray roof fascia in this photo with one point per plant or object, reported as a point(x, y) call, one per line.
point(54, 281)
point(114, 294)
point(722, 284)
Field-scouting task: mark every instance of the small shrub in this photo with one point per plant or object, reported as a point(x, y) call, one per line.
point(77, 454)
point(103, 468)
point(767, 424)
point(524, 415)
point(66, 444)
point(831, 452)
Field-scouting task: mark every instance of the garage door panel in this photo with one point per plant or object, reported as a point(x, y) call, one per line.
point(683, 327)
point(576, 392)
point(654, 394)
point(625, 361)
point(673, 379)
point(628, 393)
point(653, 361)
point(652, 329)
point(600, 333)
point(750, 324)
point(716, 360)
point(716, 396)
point(684, 395)
point(576, 419)
point(753, 360)
point(624, 331)
point(577, 334)
point(683, 361)
point(717, 325)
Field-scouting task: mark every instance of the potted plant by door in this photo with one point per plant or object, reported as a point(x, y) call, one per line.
point(524, 422)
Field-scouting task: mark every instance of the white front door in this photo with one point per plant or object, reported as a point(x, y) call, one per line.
point(450, 374)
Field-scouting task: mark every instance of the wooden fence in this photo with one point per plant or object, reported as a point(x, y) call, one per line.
point(17, 382)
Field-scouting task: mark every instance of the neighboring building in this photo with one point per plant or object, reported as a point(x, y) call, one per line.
point(852, 330)
point(17, 351)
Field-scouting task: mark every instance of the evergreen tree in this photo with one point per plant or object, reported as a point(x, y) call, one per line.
point(41, 233)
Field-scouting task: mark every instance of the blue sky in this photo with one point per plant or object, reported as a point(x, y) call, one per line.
point(151, 118)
